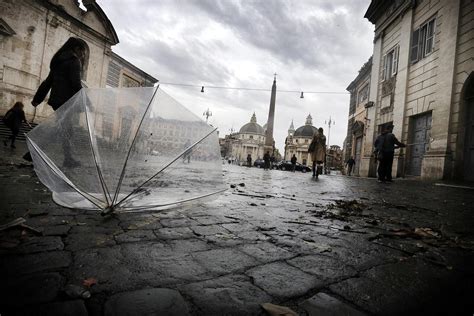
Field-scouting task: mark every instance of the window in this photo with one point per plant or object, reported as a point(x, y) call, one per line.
point(363, 94)
point(390, 64)
point(251, 136)
point(422, 41)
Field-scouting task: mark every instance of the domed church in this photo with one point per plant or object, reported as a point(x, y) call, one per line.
point(249, 140)
point(297, 142)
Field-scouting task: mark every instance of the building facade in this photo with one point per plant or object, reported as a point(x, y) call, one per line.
point(334, 157)
point(249, 140)
point(358, 108)
point(31, 31)
point(297, 142)
point(422, 83)
point(121, 74)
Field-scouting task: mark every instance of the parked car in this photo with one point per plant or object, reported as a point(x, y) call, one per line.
point(286, 165)
point(259, 163)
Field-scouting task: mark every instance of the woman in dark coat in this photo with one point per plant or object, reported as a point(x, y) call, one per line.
point(64, 81)
point(13, 119)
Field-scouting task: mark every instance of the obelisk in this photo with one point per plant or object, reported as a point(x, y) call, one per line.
point(269, 143)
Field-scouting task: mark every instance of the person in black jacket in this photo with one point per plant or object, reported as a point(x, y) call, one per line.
point(64, 81)
point(13, 119)
point(385, 148)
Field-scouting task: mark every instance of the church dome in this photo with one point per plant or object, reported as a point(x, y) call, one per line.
point(305, 131)
point(252, 127)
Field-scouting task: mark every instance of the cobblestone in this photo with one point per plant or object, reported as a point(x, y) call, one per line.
point(334, 245)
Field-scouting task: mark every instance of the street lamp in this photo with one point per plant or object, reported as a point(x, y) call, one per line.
point(207, 113)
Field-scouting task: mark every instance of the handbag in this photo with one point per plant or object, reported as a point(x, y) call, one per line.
point(8, 119)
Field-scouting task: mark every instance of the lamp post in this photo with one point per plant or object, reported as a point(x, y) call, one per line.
point(207, 113)
point(329, 123)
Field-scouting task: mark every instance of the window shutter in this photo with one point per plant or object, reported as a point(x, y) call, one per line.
point(414, 46)
point(384, 67)
point(395, 60)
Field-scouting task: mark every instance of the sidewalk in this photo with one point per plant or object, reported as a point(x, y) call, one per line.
point(320, 247)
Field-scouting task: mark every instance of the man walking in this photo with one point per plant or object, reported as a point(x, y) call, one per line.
point(350, 164)
point(266, 161)
point(249, 160)
point(293, 163)
point(385, 149)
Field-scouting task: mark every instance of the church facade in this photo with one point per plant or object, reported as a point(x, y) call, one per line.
point(297, 142)
point(31, 31)
point(249, 140)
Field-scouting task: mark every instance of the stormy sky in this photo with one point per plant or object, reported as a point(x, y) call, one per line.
point(312, 45)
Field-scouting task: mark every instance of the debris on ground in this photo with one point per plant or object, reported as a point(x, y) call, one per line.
point(20, 222)
point(89, 282)
point(277, 310)
point(76, 291)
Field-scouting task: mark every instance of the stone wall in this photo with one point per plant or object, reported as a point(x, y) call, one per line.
point(41, 27)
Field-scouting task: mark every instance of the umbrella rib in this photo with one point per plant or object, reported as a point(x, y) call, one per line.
point(131, 146)
point(63, 177)
point(177, 202)
point(167, 165)
point(99, 172)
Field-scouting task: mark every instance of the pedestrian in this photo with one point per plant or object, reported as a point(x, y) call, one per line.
point(13, 119)
point(266, 161)
point(188, 151)
point(350, 164)
point(272, 161)
point(317, 148)
point(64, 81)
point(293, 163)
point(384, 150)
point(249, 160)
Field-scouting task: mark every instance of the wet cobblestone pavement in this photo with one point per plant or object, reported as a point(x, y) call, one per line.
point(337, 245)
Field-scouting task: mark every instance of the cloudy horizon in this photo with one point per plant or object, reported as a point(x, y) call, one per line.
point(313, 46)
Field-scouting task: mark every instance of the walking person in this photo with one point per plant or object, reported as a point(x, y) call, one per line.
point(293, 163)
point(187, 153)
point(266, 161)
point(64, 81)
point(317, 148)
point(249, 160)
point(385, 149)
point(13, 119)
point(350, 165)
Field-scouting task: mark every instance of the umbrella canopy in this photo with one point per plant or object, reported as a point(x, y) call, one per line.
point(126, 149)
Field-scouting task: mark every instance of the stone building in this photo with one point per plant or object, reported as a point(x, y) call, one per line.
point(358, 109)
point(122, 73)
point(297, 142)
point(334, 158)
point(31, 31)
point(249, 140)
point(422, 83)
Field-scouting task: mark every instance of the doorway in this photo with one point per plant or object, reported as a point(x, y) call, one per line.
point(419, 141)
point(358, 151)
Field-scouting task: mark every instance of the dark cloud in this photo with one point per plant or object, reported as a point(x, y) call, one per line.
point(312, 45)
point(276, 27)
